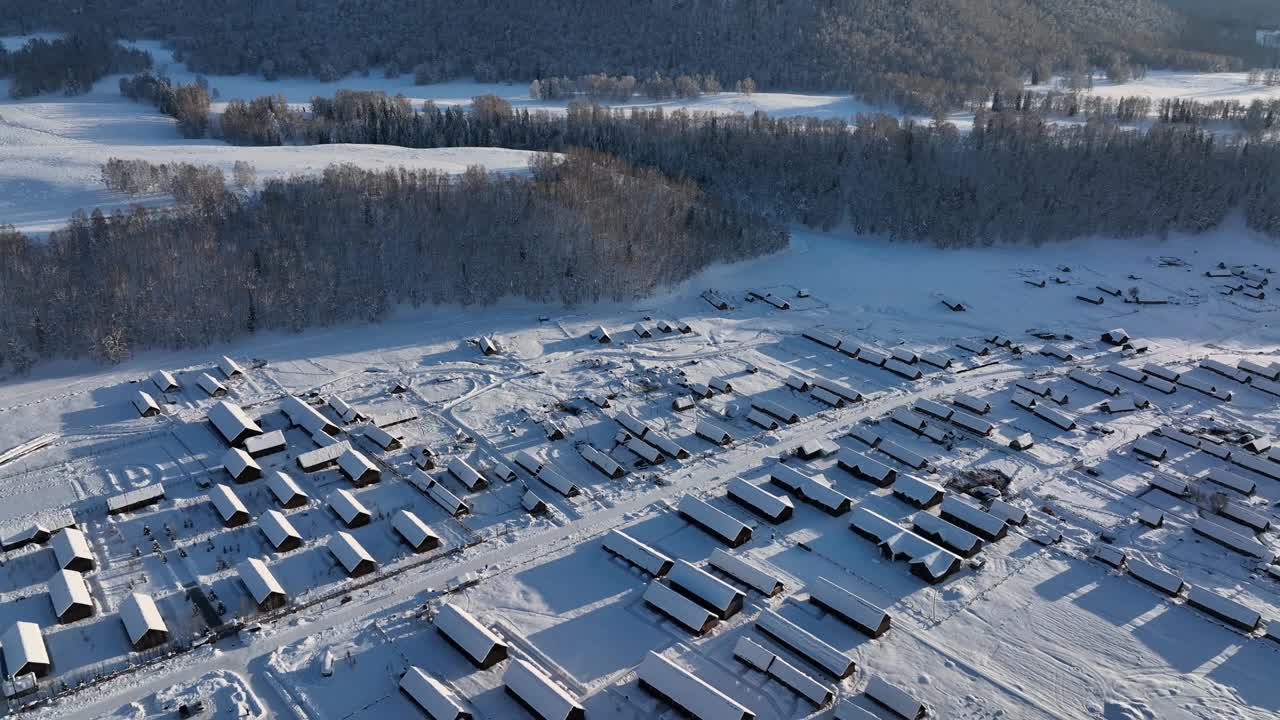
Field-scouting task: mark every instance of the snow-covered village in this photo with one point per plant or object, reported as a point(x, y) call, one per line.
point(499, 387)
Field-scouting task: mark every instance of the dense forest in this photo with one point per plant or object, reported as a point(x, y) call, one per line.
point(69, 65)
point(1016, 177)
point(922, 54)
point(349, 245)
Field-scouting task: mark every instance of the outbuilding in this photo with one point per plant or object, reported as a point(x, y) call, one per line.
point(539, 694)
point(263, 587)
point(70, 596)
point(414, 531)
point(232, 423)
point(230, 509)
point(433, 696)
point(145, 404)
point(142, 621)
point(279, 531)
point(24, 650)
point(351, 554)
point(894, 699)
point(286, 490)
point(358, 469)
point(687, 692)
point(468, 635)
point(71, 550)
point(345, 505)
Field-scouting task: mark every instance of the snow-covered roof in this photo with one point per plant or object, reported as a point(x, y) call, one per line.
point(1055, 417)
point(279, 531)
point(894, 698)
point(230, 368)
point(644, 450)
point(633, 424)
point(902, 455)
point(413, 530)
point(1007, 512)
point(258, 579)
point(766, 421)
point(381, 438)
point(1111, 555)
point(827, 397)
point(907, 419)
point(712, 432)
point(527, 460)
point(861, 614)
point(823, 338)
point(140, 616)
point(265, 444)
point(24, 648)
point(344, 409)
point(145, 404)
point(445, 498)
point(871, 356)
point(71, 549)
point(477, 641)
point(1233, 540)
point(687, 613)
point(753, 654)
point(540, 692)
point(834, 662)
point(164, 380)
point(1270, 371)
point(796, 382)
point(1235, 613)
point(601, 461)
point(952, 537)
point(668, 446)
point(239, 465)
point(724, 526)
point(358, 468)
point(232, 422)
point(307, 417)
point(774, 508)
point(532, 503)
point(775, 409)
point(348, 507)
point(1090, 380)
point(745, 572)
point(228, 504)
point(636, 553)
point(865, 434)
point(723, 598)
point(321, 456)
point(901, 369)
point(1162, 580)
point(973, 518)
point(211, 385)
point(1259, 465)
point(918, 492)
point(432, 695)
point(689, 692)
point(1252, 519)
point(350, 553)
point(286, 490)
point(68, 591)
point(1150, 448)
point(135, 498)
point(1225, 370)
point(861, 465)
point(1128, 373)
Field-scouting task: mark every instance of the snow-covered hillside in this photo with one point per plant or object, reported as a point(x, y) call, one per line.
point(1027, 630)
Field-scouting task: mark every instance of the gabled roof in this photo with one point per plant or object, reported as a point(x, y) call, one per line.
point(141, 616)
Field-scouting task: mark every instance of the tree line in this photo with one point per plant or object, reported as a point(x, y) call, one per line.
point(188, 104)
point(921, 55)
point(1254, 117)
point(349, 245)
point(68, 65)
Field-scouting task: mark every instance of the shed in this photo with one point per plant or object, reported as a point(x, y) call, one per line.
point(917, 492)
point(265, 444)
point(413, 531)
point(240, 466)
point(530, 462)
point(1225, 609)
point(232, 422)
point(442, 496)
point(134, 499)
point(1225, 370)
point(488, 346)
point(848, 711)
point(71, 550)
point(211, 385)
point(1059, 352)
point(938, 360)
point(1117, 337)
point(837, 388)
point(815, 448)
point(230, 509)
point(286, 490)
point(683, 610)
point(348, 508)
point(601, 462)
point(746, 572)
point(433, 696)
point(850, 608)
point(636, 553)
point(498, 470)
point(756, 656)
point(972, 403)
point(1162, 580)
point(383, 439)
point(230, 368)
point(468, 635)
point(533, 504)
point(894, 699)
point(687, 692)
point(1232, 540)
point(1128, 373)
point(775, 409)
point(774, 508)
point(973, 518)
point(322, 457)
point(805, 644)
point(952, 537)
point(1263, 467)
point(539, 694)
point(24, 650)
point(145, 404)
point(263, 587)
point(864, 467)
point(823, 338)
point(719, 524)
point(279, 531)
point(682, 403)
point(1246, 516)
point(706, 589)
point(601, 334)
point(556, 480)
point(164, 381)
point(1180, 437)
point(467, 475)
point(142, 621)
point(70, 596)
point(934, 409)
point(351, 554)
point(307, 417)
point(713, 433)
point(816, 490)
point(1150, 448)
point(1007, 512)
point(358, 469)
point(903, 455)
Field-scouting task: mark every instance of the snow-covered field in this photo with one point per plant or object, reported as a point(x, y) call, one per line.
point(1027, 631)
point(1204, 87)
